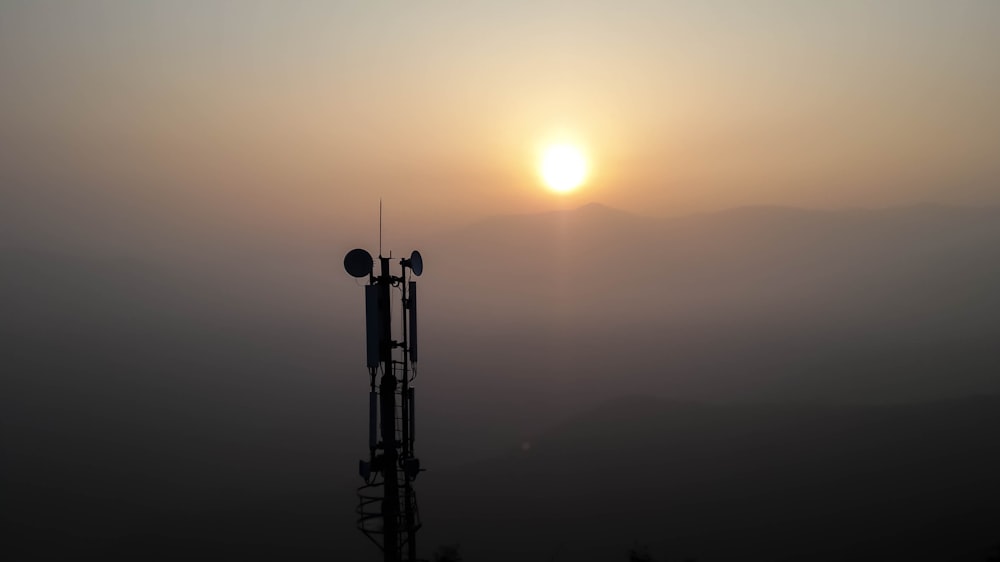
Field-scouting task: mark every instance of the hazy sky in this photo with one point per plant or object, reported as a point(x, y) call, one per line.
point(296, 115)
point(184, 360)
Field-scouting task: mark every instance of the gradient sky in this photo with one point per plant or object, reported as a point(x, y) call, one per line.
point(184, 355)
point(297, 115)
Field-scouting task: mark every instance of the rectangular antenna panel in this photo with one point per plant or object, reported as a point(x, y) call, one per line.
point(413, 416)
point(372, 418)
point(372, 328)
point(413, 321)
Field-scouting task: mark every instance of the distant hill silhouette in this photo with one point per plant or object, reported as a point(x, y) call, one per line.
point(900, 303)
point(219, 407)
point(744, 258)
point(736, 482)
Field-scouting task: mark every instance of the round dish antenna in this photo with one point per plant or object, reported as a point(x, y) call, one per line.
point(358, 263)
point(415, 263)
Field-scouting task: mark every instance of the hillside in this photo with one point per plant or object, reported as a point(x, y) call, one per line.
point(735, 482)
point(144, 395)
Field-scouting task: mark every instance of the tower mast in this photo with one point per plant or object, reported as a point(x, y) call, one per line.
point(387, 506)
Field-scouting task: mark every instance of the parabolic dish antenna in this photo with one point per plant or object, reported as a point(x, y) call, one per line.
point(358, 262)
point(416, 263)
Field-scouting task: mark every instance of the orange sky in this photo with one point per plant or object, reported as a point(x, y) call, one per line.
point(298, 115)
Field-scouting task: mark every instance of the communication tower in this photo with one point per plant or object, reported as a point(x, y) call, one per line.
point(387, 504)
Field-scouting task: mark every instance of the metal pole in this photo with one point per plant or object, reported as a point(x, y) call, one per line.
point(390, 504)
point(411, 535)
point(403, 406)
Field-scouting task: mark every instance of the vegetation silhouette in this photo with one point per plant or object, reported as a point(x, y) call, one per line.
point(640, 554)
point(448, 553)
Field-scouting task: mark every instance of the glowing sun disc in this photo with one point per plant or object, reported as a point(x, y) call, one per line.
point(563, 168)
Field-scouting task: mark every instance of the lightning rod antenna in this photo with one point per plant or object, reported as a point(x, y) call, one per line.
point(379, 227)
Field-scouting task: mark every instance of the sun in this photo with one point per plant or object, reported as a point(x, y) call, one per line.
point(563, 167)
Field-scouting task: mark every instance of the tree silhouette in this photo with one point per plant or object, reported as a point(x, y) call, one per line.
point(639, 554)
point(447, 553)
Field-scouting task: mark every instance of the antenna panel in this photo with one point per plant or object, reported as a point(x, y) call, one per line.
point(372, 419)
point(373, 329)
point(413, 320)
point(413, 416)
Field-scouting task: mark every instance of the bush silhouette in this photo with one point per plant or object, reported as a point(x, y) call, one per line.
point(447, 553)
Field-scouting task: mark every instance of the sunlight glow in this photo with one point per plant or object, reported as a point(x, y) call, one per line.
point(563, 168)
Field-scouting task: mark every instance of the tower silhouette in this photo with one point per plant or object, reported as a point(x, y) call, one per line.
point(387, 503)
